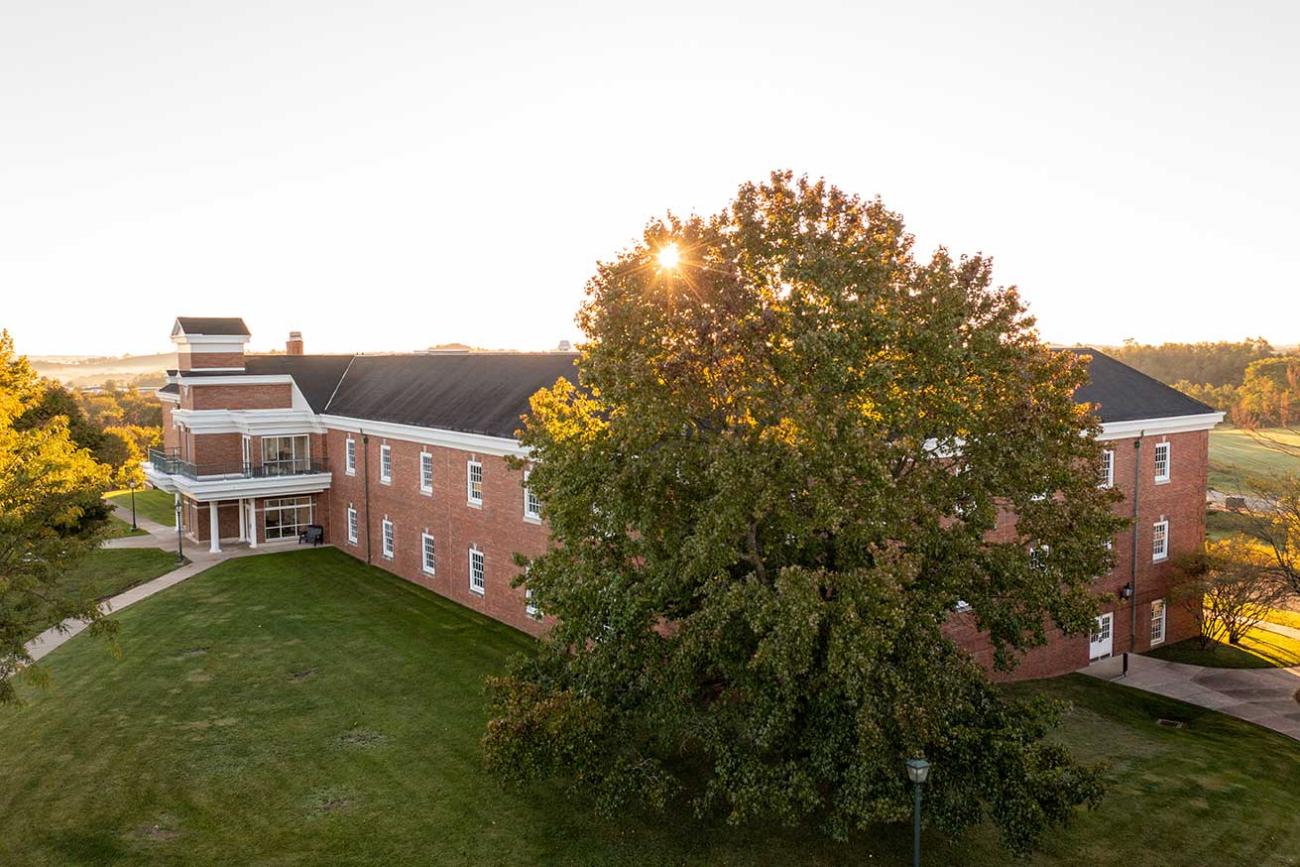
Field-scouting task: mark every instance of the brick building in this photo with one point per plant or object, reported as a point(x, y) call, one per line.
point(403, 460)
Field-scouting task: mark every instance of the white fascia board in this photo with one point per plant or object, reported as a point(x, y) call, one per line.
point(167, 396)
point(259, 422)
point(236, 379)
point(161, 481)
point(468, 442)
point(210, 342)
point(207, 490)
point(1118, 430)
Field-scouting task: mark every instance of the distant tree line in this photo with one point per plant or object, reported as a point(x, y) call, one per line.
point(1249, 380)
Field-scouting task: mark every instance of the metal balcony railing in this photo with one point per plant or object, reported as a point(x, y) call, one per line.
point(172, 464)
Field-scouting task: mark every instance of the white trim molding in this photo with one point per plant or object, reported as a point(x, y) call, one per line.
point(250, 422)
point(1117, 430)
point(430, 436)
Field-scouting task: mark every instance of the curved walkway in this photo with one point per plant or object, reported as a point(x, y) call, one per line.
point(1264, 696)
point(198, 558)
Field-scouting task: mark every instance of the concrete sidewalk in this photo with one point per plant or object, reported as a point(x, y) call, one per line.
point(1264, 696)
point(199, 559)
point(158, 535)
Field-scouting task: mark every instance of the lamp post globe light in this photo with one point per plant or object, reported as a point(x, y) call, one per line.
point(918, 771)
point(180, 538)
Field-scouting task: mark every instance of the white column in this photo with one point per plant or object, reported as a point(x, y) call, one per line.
point(243, 521)
point(252, 522)
point(214, 544)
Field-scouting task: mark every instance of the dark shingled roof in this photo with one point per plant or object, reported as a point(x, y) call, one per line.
point(211, 325)
point(483, 393)
point(1125, 394)
point(486, 393)
point(170, 388)
point(316, 375)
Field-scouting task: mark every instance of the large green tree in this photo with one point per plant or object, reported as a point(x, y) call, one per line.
point(790, 457)
point(50, 513)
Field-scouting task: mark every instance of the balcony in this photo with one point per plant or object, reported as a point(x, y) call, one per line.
point(171, 464)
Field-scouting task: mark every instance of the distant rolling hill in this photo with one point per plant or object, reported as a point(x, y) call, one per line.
point(84, 371)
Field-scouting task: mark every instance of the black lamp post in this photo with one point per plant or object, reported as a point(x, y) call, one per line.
point(133, 526)
point(918, 771)
point(180, 538)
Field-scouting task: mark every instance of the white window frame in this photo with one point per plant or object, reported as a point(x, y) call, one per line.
point(385, 464)
point(470, 466)
point(532, 505)
point(389, 536)
point(279, 506)
point(428, 554)
point(299, 460)
point(480, 589)
point(1158, 621)
point(353, 526)
point(1162, 478)
point(426, 463)
point(1160, 537)
point(1108, 468)
point(350, 457)
point(529, 608)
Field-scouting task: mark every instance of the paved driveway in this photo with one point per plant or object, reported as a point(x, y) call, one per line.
point(1265, 696)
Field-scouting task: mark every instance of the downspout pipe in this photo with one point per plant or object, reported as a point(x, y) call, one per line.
point(365, 448)
point(1133, 553)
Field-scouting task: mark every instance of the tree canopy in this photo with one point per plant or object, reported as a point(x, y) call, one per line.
point(50, 512)
point(789, 459)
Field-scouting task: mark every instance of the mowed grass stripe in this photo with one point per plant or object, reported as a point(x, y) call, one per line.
point(302, 708)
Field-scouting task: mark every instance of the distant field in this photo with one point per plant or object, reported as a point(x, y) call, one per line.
point(1235, 455)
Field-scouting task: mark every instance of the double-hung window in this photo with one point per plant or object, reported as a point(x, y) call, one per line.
point(389, 545)
point(529, 608)
point(428, 554)
point(352, 525)
point(426, 473)
point(386, 464)
point(474, 483)
point(1157, 621)
point(1160, 541)
point(532, 505)
point(477, 572)
point(350, 457)
point(1162, 462)
point(1107, 474)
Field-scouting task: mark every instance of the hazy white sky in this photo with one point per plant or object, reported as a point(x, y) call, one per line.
point(390, 175)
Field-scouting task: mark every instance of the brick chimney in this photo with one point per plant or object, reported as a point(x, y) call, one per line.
point(293, 346)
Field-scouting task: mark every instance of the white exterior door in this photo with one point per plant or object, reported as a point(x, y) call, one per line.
point(1102, 637)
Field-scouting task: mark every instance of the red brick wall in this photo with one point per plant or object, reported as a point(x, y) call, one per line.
point(1181, 501)
point(201, 360)
point(170, 436)
point(268, 396)
point(498, 527)
point(216, 453)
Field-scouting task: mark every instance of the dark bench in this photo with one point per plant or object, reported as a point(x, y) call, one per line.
point(313, 535)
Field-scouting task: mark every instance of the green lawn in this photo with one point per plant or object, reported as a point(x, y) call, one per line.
point(153, 504)
point(107, 572)
point(1258, 649)
point(301, 708)
point(1235, 455)
point(118, 528)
